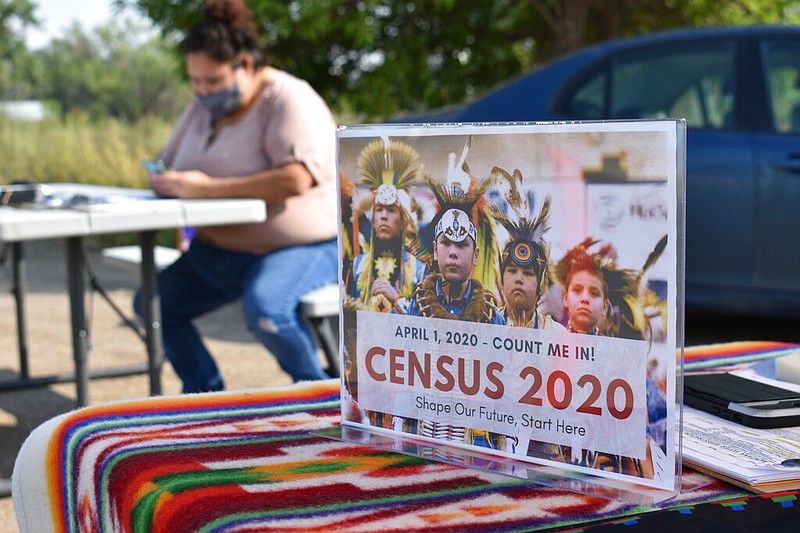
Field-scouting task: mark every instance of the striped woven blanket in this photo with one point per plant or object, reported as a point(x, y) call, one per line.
point(254, 461)
point(734, 354)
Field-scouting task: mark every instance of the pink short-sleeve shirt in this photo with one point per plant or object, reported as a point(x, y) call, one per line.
point(289, 123)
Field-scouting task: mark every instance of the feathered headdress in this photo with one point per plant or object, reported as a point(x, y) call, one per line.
point(622, 286)
point(463, 212)
point(386, 168)
point(526, 246)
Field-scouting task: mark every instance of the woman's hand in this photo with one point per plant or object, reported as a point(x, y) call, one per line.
point(272, 185)
point(181, 184)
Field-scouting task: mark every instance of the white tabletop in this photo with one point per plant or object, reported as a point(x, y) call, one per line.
point(78, 210)
point(28, 224)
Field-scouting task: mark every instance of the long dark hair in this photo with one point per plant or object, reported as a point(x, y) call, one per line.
point(227, 30)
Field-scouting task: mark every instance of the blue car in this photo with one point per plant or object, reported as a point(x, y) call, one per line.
point(739, 91)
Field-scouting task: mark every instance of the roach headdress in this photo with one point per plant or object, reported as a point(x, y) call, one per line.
point(622, 286)
point(463, 212)
point(526, 246)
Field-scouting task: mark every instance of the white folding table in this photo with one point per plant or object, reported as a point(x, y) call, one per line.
point(94, 210)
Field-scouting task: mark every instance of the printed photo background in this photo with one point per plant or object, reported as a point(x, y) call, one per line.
point(604, 193)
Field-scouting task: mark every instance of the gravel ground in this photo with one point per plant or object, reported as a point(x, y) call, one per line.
point(244, 363)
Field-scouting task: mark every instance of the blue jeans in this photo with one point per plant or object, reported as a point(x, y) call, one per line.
point(270, 286)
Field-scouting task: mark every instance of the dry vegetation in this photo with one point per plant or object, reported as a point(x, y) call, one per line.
point(78, 150)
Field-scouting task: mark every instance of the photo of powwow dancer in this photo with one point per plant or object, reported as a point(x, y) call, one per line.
point(602, 299)
point(599, 297)
point(387, 271)
point(449, 291)
point(525, 273)
point(384, 270)
point(524, 261)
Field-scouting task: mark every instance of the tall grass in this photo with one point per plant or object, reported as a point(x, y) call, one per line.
point(79, 150)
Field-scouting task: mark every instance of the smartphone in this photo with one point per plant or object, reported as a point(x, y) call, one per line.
point(154, 166)
point(745, 401)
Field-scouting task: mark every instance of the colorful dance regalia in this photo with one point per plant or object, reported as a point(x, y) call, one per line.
point(477, 305)
point(366, 269)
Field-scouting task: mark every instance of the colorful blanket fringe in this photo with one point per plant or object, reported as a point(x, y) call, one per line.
point(251, 461)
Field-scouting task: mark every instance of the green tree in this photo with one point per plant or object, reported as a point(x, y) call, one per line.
point(377, 57)
point(18, 69)
point(118, 70)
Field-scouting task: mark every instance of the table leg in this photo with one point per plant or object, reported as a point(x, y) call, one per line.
point(329, 344)
point(18, 268)
point(80, 334)
point(18, 272)
point(151, 311)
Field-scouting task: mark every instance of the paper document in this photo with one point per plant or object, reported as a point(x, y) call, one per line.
point(751, 456)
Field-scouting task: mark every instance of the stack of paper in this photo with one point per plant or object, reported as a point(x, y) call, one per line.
point(760, 460)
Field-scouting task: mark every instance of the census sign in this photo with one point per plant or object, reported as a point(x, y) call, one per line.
point(484, 309)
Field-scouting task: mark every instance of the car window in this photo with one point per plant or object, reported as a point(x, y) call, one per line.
point(588, 101)
point(690, 81)
point(781, 61)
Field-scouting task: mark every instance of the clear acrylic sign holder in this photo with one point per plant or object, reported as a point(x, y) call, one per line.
point(614, 188)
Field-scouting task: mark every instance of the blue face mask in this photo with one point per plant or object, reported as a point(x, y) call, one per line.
point(222, 103)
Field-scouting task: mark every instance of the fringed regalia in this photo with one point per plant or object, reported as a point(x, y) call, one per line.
point(386, 168)
point(430, 301)
point(404, 276)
